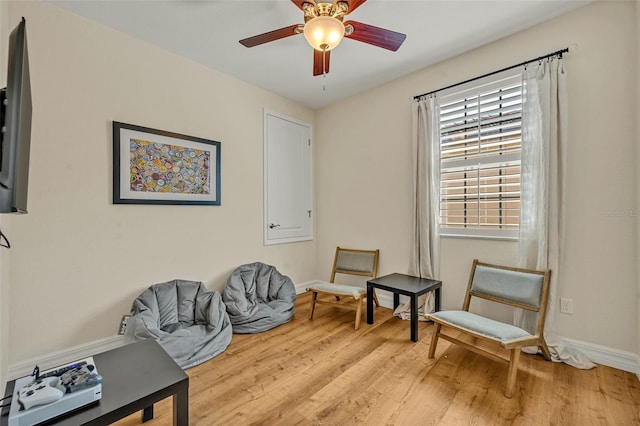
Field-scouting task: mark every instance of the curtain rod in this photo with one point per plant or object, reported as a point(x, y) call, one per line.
point(540, 58)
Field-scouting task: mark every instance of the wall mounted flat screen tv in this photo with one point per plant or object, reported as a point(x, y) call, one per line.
point(15, 116)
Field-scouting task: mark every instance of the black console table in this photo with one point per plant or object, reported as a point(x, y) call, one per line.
point(406, 285)
point(134, 377)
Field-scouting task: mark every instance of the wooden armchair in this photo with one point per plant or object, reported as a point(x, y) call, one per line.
point(522, 288)
point(352, 262)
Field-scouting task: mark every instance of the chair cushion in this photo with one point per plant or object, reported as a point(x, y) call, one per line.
point(355, 261)
point(341, 289)
point(475, 323)
point(516, 286)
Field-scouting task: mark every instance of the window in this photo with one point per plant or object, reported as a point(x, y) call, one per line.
point(480, 141)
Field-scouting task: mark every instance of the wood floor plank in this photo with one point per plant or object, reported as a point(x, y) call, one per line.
point(323, 372)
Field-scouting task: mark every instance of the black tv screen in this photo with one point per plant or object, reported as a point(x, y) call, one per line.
point(15, 139)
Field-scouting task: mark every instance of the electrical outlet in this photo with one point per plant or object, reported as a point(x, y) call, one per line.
point(566, 305)
point(123, 324)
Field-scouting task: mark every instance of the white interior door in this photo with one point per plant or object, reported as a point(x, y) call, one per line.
point(288, 189)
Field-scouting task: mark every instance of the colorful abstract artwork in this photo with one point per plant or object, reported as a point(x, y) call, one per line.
point(158, 167)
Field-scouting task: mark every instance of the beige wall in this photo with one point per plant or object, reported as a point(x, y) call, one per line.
point(364, 171)
point(77, 261)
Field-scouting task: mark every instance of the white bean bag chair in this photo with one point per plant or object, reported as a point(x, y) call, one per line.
point(189, 322)
point(258, 298)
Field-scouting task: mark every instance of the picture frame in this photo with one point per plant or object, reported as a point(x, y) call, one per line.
point(152, 166)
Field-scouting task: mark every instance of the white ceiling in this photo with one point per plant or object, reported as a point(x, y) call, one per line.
point(207, 31)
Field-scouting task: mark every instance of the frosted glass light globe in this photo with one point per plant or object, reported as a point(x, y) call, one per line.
point(324, 32)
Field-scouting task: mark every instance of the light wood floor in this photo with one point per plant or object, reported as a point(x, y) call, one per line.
point(322, 372)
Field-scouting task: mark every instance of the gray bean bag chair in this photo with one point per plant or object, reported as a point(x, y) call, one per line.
point(258, 298)
point(189, 322)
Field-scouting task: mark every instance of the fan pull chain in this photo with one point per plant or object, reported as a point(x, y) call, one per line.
point(324, 70)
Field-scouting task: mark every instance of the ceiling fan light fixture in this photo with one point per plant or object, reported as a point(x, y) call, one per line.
point(324, 32)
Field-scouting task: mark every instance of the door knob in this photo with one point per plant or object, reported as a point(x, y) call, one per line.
point(273, 226)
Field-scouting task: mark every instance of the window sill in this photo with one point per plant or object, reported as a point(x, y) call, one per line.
point(479, 237)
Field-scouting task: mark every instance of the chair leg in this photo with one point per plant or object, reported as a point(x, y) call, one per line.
point(312, 306)
point(358, 313)
point(434, 339)
point(513, 370)
point(545, 349)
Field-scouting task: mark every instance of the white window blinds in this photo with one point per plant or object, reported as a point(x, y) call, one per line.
point(480, 140)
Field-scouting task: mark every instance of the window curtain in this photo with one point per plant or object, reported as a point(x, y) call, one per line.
point(542, 206)
point(424, 259)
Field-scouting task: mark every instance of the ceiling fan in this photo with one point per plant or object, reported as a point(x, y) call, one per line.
point(324, 29)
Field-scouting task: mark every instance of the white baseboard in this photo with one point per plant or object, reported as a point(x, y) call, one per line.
point(616, 358)
point(302, 287)
point(24, 368)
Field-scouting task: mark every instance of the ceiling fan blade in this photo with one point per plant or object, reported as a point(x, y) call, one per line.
point(299, 3)
point(318, 55)
point(376, 36)
point(270, 36)
point(353, 4)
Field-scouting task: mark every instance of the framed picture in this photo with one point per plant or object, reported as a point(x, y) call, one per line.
point(156, 167)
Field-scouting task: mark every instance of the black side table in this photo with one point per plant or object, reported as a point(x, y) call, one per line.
point(406, 285)
point(134, 377)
